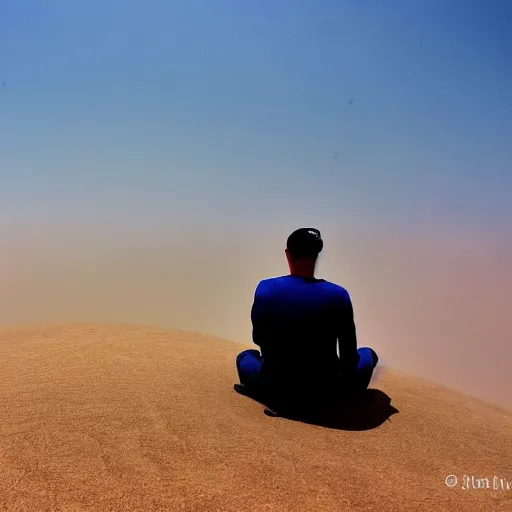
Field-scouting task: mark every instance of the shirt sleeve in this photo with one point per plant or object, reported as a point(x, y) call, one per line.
point(257, 319)
point(347, 337)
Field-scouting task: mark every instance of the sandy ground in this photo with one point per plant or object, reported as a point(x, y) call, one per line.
point(115, 417)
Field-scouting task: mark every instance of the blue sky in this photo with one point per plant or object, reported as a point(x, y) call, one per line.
point(392, 113)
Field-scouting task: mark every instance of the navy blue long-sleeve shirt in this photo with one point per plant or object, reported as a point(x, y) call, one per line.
point(298, 323)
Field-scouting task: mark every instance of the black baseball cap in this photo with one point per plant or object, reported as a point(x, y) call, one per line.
point(304, 243)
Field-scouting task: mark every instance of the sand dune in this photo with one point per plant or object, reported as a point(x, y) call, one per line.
point(117, 417)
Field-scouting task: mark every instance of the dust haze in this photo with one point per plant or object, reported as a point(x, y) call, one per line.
point(434, 306)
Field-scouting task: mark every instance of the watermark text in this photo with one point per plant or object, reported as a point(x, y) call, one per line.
point(469, 482)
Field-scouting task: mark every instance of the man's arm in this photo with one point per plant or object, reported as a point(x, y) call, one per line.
point(257, 319)
point(347, 337)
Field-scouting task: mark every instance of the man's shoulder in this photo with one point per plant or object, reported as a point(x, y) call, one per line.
point(271, 283)
point(336, 288)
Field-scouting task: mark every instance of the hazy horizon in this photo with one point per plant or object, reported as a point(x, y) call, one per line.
point(154, 158)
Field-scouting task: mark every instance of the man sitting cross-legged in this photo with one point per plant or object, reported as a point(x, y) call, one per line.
point(299, 322)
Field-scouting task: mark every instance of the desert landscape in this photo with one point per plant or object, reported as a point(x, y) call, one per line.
point(117, 417)
point(153, 161)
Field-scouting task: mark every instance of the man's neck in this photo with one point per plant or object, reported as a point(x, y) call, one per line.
point(303, 271)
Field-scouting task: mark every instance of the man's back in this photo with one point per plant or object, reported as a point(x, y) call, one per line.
point(297, 322)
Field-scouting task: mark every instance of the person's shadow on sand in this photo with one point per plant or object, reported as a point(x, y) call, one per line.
point(369, 412)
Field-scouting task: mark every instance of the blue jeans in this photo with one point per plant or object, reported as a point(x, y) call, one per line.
point(249, 364)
